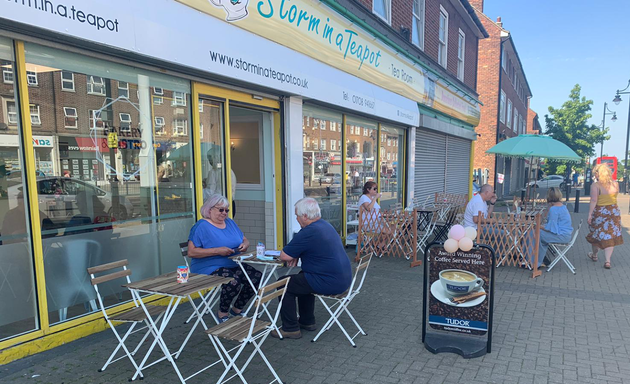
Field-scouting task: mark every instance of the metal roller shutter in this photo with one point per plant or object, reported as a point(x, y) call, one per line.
point(457, 165)
point(430, 164)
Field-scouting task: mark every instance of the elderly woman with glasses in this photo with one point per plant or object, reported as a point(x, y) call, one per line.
point(210, 243)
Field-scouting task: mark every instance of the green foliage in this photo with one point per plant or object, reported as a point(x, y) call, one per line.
point(568, 124)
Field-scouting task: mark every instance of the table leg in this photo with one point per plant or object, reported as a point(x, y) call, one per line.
point(200, 314)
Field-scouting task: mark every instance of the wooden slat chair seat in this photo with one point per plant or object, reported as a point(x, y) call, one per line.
point(135, 315)
point(247, 330)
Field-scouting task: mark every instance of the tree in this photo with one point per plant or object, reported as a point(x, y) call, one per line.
point(568, 124)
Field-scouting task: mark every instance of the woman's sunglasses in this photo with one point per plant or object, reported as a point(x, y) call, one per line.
point(221, 210)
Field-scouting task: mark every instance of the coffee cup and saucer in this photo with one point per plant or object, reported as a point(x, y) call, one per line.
point(456, 282)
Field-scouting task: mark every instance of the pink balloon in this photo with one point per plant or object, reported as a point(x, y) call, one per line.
point(465, 244)
point(451, 245)
point(457, 232)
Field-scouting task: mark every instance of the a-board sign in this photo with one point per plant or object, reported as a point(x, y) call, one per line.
point(458, 300)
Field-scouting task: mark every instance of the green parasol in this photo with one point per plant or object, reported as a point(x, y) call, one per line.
point(528, 146)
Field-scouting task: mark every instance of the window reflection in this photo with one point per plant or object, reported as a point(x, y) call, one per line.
point(391, 163)
point(361, 141)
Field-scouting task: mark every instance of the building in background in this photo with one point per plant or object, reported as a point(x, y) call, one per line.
point(504, 92)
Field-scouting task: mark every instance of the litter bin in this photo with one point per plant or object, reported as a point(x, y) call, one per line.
point(587, 182)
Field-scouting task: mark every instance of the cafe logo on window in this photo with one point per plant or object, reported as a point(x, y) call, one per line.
point(235, 9)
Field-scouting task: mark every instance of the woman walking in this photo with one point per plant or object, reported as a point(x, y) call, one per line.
point(604, 216)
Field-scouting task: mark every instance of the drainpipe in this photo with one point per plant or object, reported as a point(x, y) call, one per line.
point(496, 162)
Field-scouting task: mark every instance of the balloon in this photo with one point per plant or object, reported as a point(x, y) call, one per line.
point(456, 232)
point(471, 233)
point(465, 244)
point(451, 245)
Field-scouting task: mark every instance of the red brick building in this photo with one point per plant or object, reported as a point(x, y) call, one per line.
point(504, 92)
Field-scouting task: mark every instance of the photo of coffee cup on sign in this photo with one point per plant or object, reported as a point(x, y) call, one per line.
point(459, 287)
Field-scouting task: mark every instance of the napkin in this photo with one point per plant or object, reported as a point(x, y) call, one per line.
point(265, 258)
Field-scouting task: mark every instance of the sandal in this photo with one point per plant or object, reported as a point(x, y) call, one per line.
point(607, 265)
point(592, 256)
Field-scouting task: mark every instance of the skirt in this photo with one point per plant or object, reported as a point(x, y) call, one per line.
point(605, 227)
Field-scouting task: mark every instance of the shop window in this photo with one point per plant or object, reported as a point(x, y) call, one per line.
point(12, 115)
point(31, 78)
point(391, 170)
point(461, 53)
point(96, 121)
point(125, 122)
point(35, 117)
point(179, 99)
point(7, 72)
point(417, 27)
point(95, 85)
point(67, 81)
point(70, 117)
point(382, 8)
point(443, 38)
point(159, 125)
point(180, 127)
point(123, 89)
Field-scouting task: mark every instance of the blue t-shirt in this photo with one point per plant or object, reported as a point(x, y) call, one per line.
point(559, 220)
point(205, 235)
point(324, 261)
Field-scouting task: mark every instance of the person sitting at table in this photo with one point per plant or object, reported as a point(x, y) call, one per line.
point(558, 228)
point(479, 203)
point(325, 268)
point(210, 243)
point(371, 216)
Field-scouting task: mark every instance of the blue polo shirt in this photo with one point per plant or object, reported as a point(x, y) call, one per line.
point(324, 261)
point(206, 235)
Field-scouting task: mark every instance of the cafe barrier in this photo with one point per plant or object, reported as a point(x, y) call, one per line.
point(388, 232)
point(514, 238)
point(451, 198)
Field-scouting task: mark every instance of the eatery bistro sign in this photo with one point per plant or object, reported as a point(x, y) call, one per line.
point(458, 300)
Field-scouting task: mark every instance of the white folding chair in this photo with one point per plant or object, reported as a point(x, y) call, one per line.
point(134, 316)
point(560, 250)
point(342, 301)
point(246, 330)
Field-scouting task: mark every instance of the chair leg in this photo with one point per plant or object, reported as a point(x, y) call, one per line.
point(354, 320)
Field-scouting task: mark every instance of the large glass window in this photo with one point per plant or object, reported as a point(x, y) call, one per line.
point(211, 125)
point(113, 183)
point(392, 166)
point(323, 179)
point(18, 305)
point(361, 147)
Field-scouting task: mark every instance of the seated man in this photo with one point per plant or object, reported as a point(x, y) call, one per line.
point(325, 268)
point(479, 204)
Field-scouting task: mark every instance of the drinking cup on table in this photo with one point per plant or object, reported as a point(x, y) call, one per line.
point(457, 282)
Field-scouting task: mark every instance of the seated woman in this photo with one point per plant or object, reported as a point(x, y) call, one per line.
point(558, 228)
point(210, 243)
point(371, 216)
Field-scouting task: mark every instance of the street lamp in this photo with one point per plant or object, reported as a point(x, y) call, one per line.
point(617, 100)
point(614, 118)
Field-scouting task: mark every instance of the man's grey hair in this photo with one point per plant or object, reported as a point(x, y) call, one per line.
point(308, 207)
point(485, 188)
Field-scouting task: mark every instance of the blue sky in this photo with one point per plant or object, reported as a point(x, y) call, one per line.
point(562, 43)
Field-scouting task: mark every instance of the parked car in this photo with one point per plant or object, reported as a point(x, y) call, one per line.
point(549, 182)
point(58, 198)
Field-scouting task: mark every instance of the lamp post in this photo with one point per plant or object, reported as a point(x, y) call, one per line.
point(617, 100)
point(613, 119)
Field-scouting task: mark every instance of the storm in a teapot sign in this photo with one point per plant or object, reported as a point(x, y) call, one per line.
point(235, 9)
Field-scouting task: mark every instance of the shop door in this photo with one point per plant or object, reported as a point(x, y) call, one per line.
point(239, 158)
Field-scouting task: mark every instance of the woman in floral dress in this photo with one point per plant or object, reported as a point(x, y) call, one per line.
point(604, 216)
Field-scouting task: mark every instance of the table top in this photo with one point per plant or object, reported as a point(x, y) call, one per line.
point(167, 284)
point(252, 259)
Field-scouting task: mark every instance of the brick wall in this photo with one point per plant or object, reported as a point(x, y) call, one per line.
point(255, 219)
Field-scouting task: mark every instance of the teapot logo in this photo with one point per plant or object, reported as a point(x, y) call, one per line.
point(235, 9)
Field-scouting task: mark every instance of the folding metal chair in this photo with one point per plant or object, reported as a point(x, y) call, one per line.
point(134, 316)
point(247, 330)
point(342, 301)
point(441, 229)
point(560, 250)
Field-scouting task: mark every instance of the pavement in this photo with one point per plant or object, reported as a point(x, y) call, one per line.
point(557, 328)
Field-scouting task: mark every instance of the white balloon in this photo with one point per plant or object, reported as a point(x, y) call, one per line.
point(471, 233)
point(465, 244)
point(451, 245)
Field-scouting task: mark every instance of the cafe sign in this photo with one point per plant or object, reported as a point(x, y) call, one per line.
point(310, 27)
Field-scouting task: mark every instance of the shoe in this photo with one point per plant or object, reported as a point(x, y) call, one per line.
point(310, 327)
point(232, 313)
point(607, 265)
point(223, 319)
point(592, 256)
point(286, 335)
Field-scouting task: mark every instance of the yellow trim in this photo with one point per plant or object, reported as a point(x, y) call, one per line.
point(403, 171)
point(472, 165)
point(378, 158)
point(33, 198)
point(278, 180)
point(198, 177)
point(344, 198)
point(228, 94)
point(19, 339)
point(227, 148)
